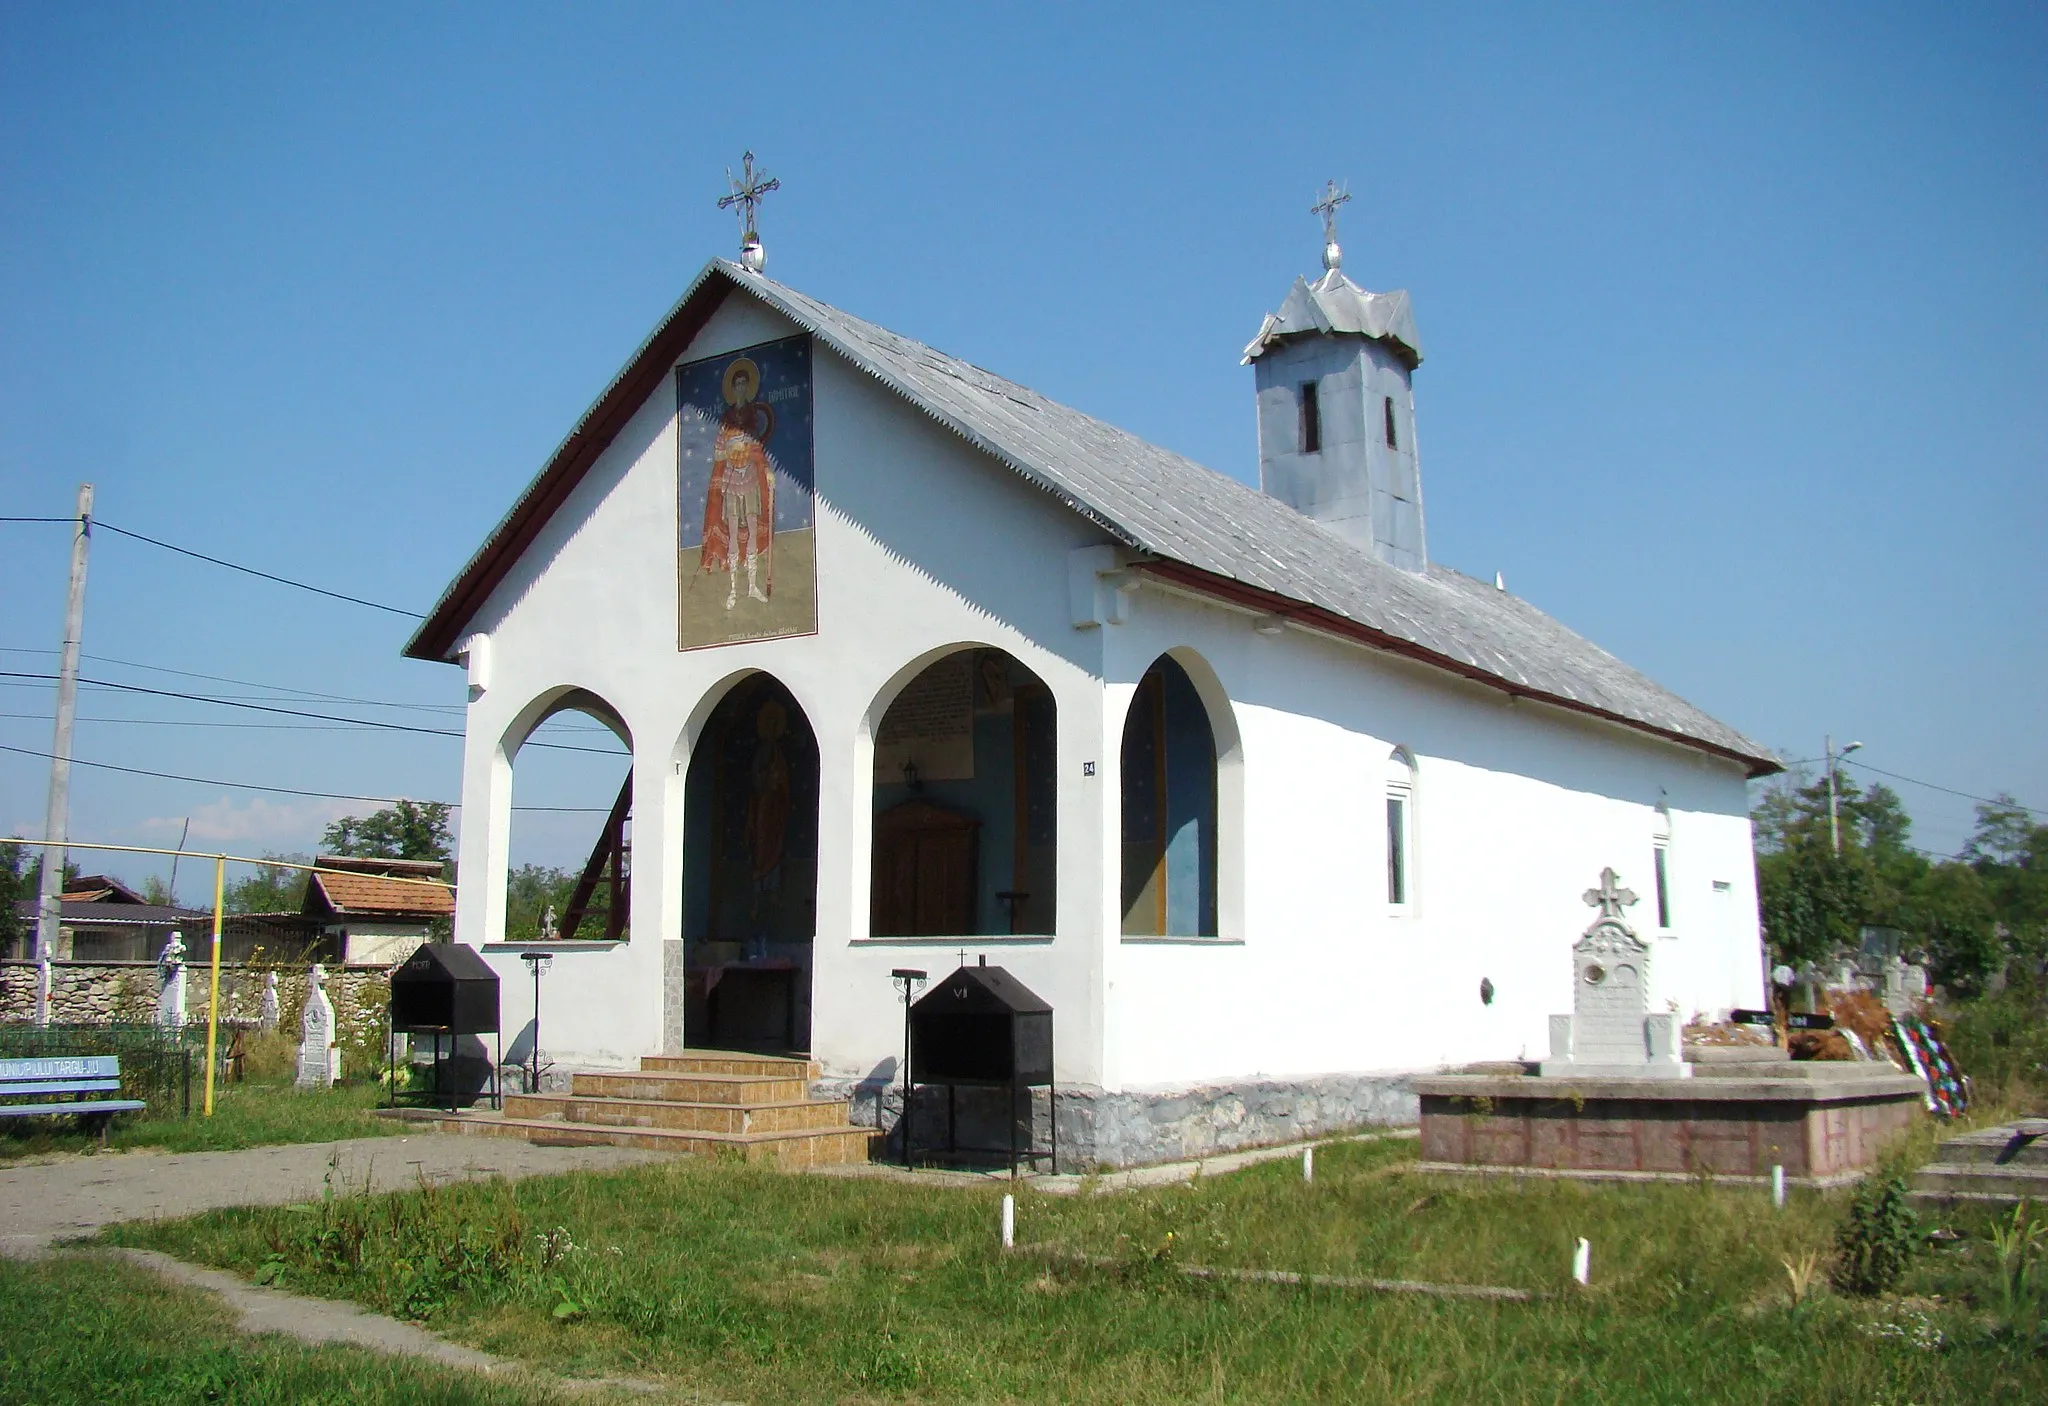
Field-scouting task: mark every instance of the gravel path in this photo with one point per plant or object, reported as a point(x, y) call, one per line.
point(72, 1196)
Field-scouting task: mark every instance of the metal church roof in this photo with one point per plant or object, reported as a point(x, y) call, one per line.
point(1235, 539)
point(1333, 303)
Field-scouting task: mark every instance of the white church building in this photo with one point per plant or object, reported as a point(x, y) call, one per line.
point(1272, 809)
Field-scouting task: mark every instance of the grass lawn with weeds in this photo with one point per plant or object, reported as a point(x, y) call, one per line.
point(85, 1329)
point(244, 1115)
point(770, 1287)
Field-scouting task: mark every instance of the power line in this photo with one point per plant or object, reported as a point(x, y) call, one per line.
point(185, 722)
point(248, 683)
point(375, 723)
point(38, 519)
point(1949, 790)
point(250, 570)
point(289, 790)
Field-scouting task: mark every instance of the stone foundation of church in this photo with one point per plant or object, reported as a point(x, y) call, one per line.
point(1100, 1128)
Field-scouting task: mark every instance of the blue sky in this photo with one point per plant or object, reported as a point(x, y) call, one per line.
point(1736, 321)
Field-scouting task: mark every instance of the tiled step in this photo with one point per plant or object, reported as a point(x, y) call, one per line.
point(751, 1090)
point(687, 1117)
point(810, 1148)
point(1938, 1180)
point(1996, 1147)
point(1990, 1167)
point(729, 1062)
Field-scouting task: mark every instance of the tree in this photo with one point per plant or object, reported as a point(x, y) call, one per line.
point(1952, 914)
point(2009, 852)
point(14, 886)
point(407, 830)
point(1814, 901)
point(270, 889)
point(1970, 915)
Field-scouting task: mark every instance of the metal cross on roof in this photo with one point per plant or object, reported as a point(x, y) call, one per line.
point(1608, 898)
point(1333, 197)
point(1327, 208)
point(747, 190)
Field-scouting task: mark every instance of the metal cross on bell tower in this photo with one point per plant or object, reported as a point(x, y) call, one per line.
point(1333, 257)
point(747, 190)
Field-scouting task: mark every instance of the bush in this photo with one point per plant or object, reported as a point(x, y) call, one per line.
point(1877, 1240)
point(2001, 1042)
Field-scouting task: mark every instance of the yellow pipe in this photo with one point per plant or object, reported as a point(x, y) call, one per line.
point(220, 885)
point(246, 859)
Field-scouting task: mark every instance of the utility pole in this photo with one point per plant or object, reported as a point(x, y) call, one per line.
point(1834, 819)
point(57, 818)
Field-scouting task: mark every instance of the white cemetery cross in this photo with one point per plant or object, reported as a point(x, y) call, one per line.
point(170, 987)
point(266, 1018)
point(1611, 1032)
point(319, 1060)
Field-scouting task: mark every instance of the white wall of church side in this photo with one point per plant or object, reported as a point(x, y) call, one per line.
point(922, 543)
point(1517, 807)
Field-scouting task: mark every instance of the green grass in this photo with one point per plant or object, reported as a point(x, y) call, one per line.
point(776, 1288)
point(244, 1115)
point(80, 1329)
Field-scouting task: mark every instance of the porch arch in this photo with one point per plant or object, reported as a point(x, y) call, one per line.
point(959, 752)
point(1181, 804)
point(591, 898)
point(749, 866)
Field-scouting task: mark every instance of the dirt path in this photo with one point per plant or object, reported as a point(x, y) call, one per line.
point(73, 1196)
point(44, 1203)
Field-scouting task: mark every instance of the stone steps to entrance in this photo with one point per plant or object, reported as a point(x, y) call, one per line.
point(1992, 1166)
point(681, 1087)
point(684, 1117)
point(721, 1062)
point(701, 1101)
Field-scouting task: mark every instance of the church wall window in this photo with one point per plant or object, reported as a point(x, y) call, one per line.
point(570, 850)
point(1393, 440)
point(1660, 862)
point(965, 802)
point(1311, 418)
point(1169, 809)
point(1400, 796)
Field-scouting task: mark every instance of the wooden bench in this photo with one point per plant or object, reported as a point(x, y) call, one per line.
point(75, 1075)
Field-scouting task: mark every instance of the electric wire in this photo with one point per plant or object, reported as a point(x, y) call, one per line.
point(1949, 790)
point(286, 790)
point(246, 683)
point(252, 571)
point(38, 519)
point(377, 724)
point(194, 722)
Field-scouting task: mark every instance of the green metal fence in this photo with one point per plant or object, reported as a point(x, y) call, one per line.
point(156, 1064)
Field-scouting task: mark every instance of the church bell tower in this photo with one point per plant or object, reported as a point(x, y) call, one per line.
point(1336, 408)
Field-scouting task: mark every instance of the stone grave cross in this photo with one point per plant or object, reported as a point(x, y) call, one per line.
point(319, 1060)
point(1611, 1033)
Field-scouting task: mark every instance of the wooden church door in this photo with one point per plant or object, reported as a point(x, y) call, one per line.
point(924, 871)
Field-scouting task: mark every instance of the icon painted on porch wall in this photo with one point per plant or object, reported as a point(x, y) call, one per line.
point(746, 563)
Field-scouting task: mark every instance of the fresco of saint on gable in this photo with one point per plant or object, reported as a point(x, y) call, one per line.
point(746, 559)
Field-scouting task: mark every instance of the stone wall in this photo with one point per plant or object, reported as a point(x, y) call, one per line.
point(1100, 1128)
point(93, 993)
point(82, 993)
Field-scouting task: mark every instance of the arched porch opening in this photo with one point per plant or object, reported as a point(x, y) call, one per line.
point(750, 873)
point(569, 872)
point(1170, 808)
point(966, 803)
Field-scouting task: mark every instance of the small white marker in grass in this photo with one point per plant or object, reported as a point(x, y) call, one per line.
point(1582, 1262)
point(1009, 1221)
point(1308, 1164)
point(1778, 1186)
